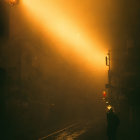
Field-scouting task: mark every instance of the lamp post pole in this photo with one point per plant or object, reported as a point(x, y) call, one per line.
point(109, 73)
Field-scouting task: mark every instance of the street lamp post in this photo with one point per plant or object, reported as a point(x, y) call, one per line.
point(108, 86)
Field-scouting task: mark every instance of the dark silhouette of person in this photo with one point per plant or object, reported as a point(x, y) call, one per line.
point(112, 124)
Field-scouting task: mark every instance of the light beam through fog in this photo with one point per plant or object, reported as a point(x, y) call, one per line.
point(70, 36)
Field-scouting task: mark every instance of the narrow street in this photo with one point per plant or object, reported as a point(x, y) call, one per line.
point(86, 129)
point(69, 69)
point(80, 131)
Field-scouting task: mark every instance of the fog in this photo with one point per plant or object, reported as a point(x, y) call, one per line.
point(47, 73)
point(51, 78)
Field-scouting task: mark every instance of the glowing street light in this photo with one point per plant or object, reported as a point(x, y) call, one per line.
point(12, 2)
point(109, 107)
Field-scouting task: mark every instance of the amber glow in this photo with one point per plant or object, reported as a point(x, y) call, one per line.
point(71, 37)
point(109, 107)
point(12, 2)
point(104, 93)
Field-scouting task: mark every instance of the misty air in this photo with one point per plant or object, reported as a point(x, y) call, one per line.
point(69, 69)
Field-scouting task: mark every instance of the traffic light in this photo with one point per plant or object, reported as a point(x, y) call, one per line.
point(104, 94)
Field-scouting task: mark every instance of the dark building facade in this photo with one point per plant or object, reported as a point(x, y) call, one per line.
point(125, 68)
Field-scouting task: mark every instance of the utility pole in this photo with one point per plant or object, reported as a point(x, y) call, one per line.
point(108, 85)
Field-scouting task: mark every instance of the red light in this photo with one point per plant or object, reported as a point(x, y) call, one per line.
point(104, 93)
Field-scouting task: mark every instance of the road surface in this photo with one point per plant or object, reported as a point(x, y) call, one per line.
point(81, 130)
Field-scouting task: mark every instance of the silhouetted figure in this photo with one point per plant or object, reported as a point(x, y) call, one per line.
point(112, 124)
